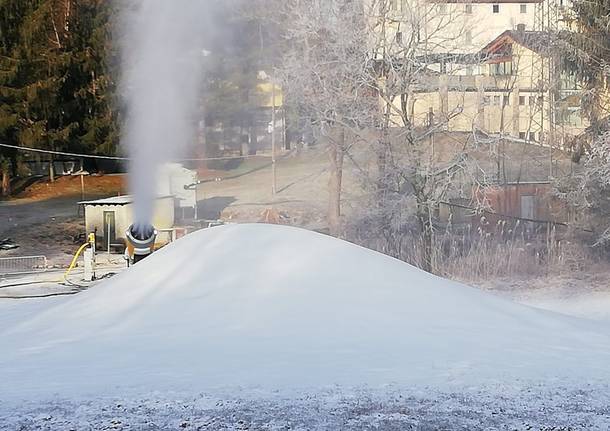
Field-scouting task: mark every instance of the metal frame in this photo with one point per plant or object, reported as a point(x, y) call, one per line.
point(19, 269)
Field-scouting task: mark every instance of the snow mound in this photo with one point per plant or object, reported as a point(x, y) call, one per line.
point(263, 306)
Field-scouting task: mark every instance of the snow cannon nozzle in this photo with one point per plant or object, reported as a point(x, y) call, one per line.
point(140, 241)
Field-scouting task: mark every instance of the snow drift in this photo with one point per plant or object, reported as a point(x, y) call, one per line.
point(262, 306)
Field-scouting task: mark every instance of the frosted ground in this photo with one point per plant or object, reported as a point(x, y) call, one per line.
point(269, 327)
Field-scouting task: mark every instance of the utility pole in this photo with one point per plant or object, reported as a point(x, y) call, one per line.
point(273, 165)
point(82, 186)
point(81, 174)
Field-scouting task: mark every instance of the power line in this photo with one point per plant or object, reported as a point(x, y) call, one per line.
point(61, 153)
point(95, 156)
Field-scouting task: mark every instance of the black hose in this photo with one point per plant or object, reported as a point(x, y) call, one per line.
point(28, 283)
point(46, 295)
point(66, 282)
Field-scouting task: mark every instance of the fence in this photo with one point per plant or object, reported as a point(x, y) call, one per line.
point(22, 265)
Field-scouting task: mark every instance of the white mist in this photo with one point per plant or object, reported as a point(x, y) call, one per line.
point(162, 64)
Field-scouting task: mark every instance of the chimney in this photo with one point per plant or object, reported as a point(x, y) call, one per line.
point(521, 28)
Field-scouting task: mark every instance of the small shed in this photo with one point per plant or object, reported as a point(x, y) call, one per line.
point(529, 201)
point(174, 179)
point(111, 217)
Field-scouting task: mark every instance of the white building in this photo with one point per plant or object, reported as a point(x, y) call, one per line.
point(111, 217)
point(466, 26)
point(476, 22)
point(175, 180)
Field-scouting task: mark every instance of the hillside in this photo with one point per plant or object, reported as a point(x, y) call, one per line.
point(272, 307)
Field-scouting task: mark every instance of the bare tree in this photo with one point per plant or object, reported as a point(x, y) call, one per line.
point(325, 73)
point(586, 190)
point(410, 178)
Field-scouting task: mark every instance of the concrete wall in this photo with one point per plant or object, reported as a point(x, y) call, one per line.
point(455, 26)
point(94, 221)
point(163, 218)
point(475, 24)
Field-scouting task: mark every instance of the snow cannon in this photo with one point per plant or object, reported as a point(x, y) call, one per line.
point(140, 242)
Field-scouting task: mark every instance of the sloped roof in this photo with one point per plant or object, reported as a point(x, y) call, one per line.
point(485, 1)
point(538, 41)
point(116, 200)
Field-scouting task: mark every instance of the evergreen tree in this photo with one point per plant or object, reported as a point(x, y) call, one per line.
point(240, 47)
point(587, 56)
point(588, 52)
point(54, 82)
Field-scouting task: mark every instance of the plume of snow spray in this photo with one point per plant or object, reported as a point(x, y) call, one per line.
point(162, 62)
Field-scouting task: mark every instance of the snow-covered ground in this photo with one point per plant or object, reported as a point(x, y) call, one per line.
point(536, 408)
point(51, 283)
point(584, 294)
point(279, 327)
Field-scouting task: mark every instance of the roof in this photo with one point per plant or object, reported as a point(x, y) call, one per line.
point(537, 41)
point(116, 200)
point(485, 1)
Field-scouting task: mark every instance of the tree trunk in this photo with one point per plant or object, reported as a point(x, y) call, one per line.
point(6, 182)
point(334, 183)
point(52, 170)
point(426, 239)
point(38, 159)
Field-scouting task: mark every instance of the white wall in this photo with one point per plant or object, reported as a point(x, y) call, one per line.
point(474, 25)
point(163, 218)
point(171, 179)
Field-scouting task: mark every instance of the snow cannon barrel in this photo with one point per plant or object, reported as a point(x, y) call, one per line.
point(140, 242)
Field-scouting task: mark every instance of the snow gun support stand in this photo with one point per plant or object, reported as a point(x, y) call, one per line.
point(88, 257)
point(140, 243)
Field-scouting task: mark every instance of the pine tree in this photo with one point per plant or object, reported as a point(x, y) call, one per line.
point(92, 83)
point(587, 56)
point(54, 79)
point(588, 52)
point(236, 55)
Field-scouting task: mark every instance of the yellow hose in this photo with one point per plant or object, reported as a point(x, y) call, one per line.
point(71, 267)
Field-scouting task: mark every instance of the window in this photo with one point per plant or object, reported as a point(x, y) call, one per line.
point(497, 100)
point(506, 100)
point(495, 8)
point(109, 229)
point(521, 100)
point(468, 37)
point(532, 136)
point(522, 135)
point(502, 68)
point(468, 9)
point(486, 101)
point(399, 37)
point(523, 8)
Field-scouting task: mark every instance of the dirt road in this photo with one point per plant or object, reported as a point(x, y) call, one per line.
point(302, 191)
point(15, 215)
